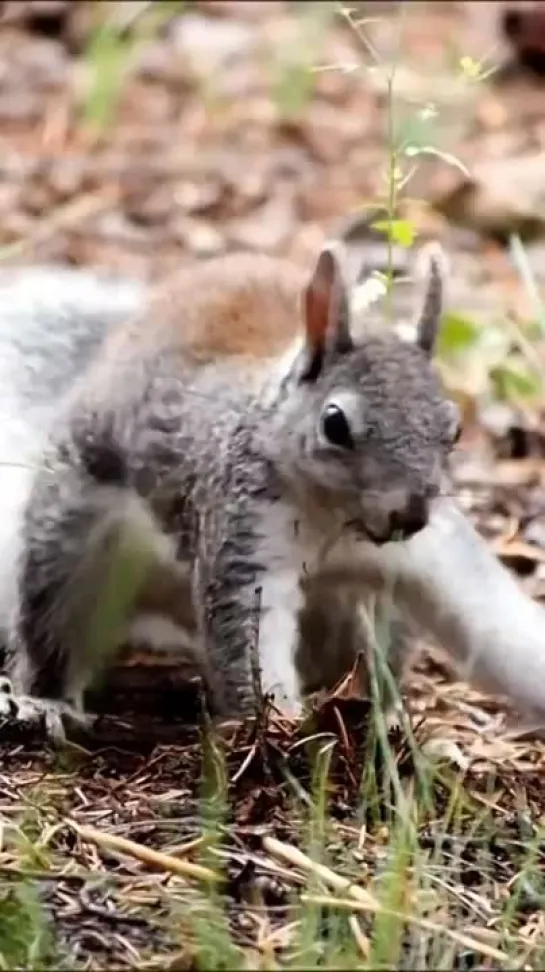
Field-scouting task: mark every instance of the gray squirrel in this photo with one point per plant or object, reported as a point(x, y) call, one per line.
point(191, 438)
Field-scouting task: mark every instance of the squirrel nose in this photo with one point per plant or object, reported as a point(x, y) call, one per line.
point(412, 519)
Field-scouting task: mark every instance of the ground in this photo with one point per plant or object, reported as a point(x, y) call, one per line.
point(175, 132)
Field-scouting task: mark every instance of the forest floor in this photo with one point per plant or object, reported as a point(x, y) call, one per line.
point(135, 137)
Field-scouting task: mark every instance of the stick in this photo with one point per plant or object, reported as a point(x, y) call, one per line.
point(122, 845)
point(363, 901)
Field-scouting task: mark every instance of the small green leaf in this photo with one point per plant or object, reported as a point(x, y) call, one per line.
point(400, 231)
point(513, 379)
point(457, 334)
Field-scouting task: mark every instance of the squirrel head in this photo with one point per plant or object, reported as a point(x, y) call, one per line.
point(362, 425)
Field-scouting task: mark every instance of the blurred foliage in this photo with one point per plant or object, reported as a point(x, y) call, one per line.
point(292, 65)
point(26, 938)
point(113, 45)
point(490, 359)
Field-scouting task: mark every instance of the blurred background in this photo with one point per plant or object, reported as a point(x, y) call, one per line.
point(137, 133)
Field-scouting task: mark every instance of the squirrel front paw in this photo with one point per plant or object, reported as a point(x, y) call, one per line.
point(49, 716)
point(290, 704)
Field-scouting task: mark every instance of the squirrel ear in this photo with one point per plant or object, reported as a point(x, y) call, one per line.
point(326, 310)
point(433, 269)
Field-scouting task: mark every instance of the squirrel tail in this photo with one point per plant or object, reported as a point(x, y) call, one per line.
point(449, 581)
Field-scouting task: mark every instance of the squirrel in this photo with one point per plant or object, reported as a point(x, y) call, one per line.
point(142, 441)
point(225, 436)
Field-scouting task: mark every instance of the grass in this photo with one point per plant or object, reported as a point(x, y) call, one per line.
point(347, 843)
point(110, 53)
point(26, 940)
point(330, 845)
point(306, 877)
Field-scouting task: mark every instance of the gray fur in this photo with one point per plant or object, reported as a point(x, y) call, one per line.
point(433, 271)
point(152, 447)
point(52, 321)
point(444, 576)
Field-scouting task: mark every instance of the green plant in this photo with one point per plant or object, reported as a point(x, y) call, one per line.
point(110, 53)
point(291, 64)
point(26, 936)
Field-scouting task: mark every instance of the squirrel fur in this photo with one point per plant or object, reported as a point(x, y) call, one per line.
point(76, 387)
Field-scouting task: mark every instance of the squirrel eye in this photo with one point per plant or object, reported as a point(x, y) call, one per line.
point(336, 428)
